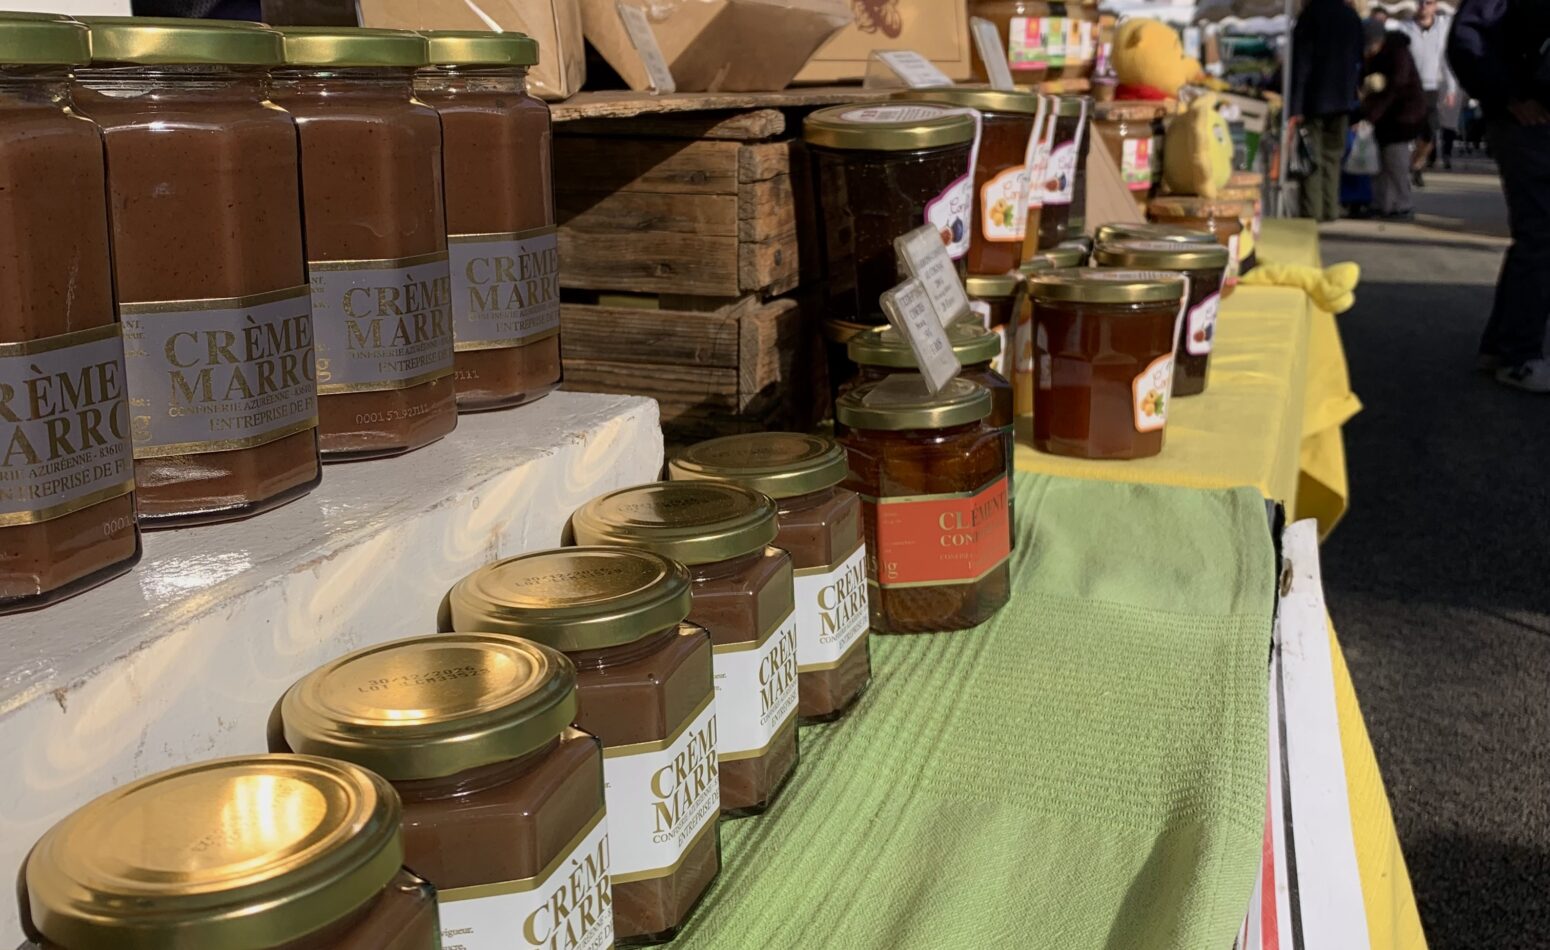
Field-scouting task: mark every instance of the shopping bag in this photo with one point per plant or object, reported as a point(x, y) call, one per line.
point(1363, 157)
point(1301, 163)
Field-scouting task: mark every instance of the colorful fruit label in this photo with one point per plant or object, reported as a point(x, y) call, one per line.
point(1025, 42)
point(1136, 164)
point(931, 540)
point(1151, 390)
point(949, 213)
point(1002, 216)
point(1055, 42)
point(1200, 325)
point(1060, 174)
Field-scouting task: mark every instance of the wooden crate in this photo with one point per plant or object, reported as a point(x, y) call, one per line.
point(740, 367)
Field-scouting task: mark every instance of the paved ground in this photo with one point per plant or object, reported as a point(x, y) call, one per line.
point(1439, 579)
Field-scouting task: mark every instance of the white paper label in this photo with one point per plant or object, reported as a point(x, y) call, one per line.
point(645, 42)
point(926, 260)
point(659, 801)
point(913, 69)
point(1003, 216)
point(909, 309)
point(1152, 390)
point(1231, 277)
point(1060, 174)
point(832, 612)
point(1200, 326)
point(569, 905)
point(987, 40)
point(756, 691)
point(949, 215)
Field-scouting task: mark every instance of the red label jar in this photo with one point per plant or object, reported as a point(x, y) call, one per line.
point(1103, 360)
point(932, 477)
point(744, 595)
point(1203, 266)
point(371, 185)
point(1218, 217)
point(501, 236)
point(882, 171)
point(644, 687)
point(820, 527)
point(503, 799)
point(272, 852)
point(58, 328)
point(203, 179)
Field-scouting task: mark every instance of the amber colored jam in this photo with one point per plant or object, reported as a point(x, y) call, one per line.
point(1226, 228)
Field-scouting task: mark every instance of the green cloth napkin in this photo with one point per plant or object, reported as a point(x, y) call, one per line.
point(1085, 770)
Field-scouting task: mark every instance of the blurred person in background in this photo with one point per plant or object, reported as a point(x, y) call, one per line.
point(1428, 33)
point(1394, 103)
point(1500, 50)
point(1326, 69)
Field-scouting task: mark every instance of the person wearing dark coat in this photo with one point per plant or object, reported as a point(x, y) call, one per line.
point(1394, 104)
point(1326, 69)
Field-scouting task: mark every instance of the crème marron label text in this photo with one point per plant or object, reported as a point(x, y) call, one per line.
point(381, 324)
point(505, 288)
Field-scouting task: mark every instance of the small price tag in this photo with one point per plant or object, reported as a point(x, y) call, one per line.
point(910, 310)
point(639, 29)
point(987, 39)
point(904, 66)
point(925, 257)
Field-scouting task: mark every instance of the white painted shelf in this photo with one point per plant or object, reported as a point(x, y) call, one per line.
point(182, 658)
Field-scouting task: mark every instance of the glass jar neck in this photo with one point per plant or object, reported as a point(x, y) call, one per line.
point(159, 83)
point(624, 653)
point(925, 435)
point(345, 82)
point(471, 781)
point(731, 567)
point(35, 85)
point(806, 502)
point(472, 79)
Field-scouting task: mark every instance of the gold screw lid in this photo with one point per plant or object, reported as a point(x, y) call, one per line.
point(1189, 206)
point(1160, 255)
point(481, 48)
point(1109, 233)
point(1129, 110)
point(888, 126)
point(1069, 107)
point(843, 331)
point(256, 851)
point(172, 41)
point(43, 39)
point(1104, 285)
point(884, 346)
point(982, 98)
point(353, 46)
point(587, 598)
point(691, 522)
point(1056, 258)
point(902, 401)
point(432, 706)
point(991, 287)
point(779, 464)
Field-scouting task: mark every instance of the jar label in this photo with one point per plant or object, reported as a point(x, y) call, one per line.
point(1200, 326)
point(567, 904)
point(926, 540)
point(1151, 391)
point(1025, 42)
point(1136, 164)
point(1230, 278)
point(756, 690)
point(832, 612)
point(949, 213)
point(1060, 174)
point(64, 425)
point(1003, 216)
point(219, 375)
point(1055, 39)
point(383, 324)
point(662, 797)
point(505, 288)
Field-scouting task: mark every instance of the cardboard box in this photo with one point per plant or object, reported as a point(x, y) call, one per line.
point(936, 29)
point(555, 24)
point(718, 45)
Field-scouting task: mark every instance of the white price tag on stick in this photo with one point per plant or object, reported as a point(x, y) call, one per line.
point(987, 40)
point(639, 30)
point(903, 66)
point(925, 257)
point(909, 309)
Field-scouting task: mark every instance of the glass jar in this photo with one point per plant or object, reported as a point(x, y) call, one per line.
point(1248, 189)
point(58, 326)
point(1021, 360)
point(1103, 360)
point(883, 171)
point(503, 800)
point(644, 687)
point(996, 300)
point(376, 239)
point(1221, 219)
point(272, 852)
point(1131, 129)
point(505, 251)
point(933, 484)
point(1043, 40)
point(1202, 266)
point(1000, 171)
point(205, 211)
point(1063, 193)
point(1109, 233)
point(820, 527)
point(883, 352)
point(744, 595)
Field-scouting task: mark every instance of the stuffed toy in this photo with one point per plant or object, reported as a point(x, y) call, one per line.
point(1149, 60)
point(1197, 150)
point(1332, 289)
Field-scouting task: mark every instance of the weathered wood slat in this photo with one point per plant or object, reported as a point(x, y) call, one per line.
point(684, 386)
point(763, 160)
point(650, 337)
point(765, 209)
point(641, 212)
point(736, 126)
point(603, 165)
point(623, 103)
point(650, 263)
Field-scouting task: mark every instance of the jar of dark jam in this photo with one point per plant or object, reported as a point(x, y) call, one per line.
point(268, 852)
point(1000, 171)
point(882, 171)
point(996, 301)
point(1063, 192)
point(1103, 360)
point(1020, 359)
point(1203, 266)
point(1131, 129)
point(1218, 217)
point(932, 478)
point(820, 527)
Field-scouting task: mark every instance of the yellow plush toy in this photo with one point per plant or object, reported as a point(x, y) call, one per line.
point(1197, 150)
point(1150, 62)
point(1332, 289)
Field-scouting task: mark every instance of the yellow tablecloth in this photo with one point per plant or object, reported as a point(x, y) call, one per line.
point(1271, 419)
